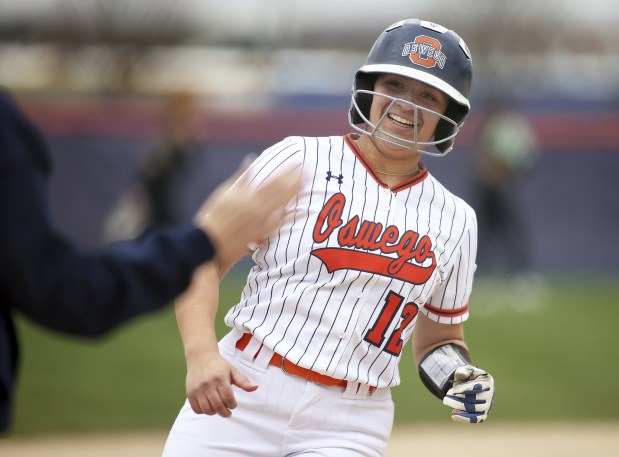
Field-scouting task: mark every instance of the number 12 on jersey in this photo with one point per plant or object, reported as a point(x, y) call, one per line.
point(377, 334)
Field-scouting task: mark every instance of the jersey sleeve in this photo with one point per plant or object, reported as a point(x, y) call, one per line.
point(283, 157)
point(449, 304)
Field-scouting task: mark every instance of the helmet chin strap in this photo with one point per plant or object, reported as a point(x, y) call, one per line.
point(374, 130)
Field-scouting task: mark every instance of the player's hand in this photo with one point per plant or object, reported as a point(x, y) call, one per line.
point(237, 214)
point(471, 395)
point(209, 385)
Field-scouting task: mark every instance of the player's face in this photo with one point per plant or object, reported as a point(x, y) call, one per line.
point(399, 118)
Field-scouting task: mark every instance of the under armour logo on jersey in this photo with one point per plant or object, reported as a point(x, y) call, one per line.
point(340, 178)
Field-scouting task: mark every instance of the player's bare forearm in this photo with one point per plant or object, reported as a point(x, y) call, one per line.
point(429, 335)
point(209, 376)
point(196, 310)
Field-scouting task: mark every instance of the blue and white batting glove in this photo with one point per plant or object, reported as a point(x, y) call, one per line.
point(471, 395)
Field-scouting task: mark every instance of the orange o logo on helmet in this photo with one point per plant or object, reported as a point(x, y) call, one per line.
point(425, 51)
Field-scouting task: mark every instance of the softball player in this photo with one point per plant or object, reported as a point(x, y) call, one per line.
point(373, 251)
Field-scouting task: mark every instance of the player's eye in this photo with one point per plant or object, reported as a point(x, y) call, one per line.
point(430, 96)
point(395, 84)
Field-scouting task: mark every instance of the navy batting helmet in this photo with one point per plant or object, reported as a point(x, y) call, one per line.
point(426, 52)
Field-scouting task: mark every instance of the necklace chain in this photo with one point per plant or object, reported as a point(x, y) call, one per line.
point(358, 141)
point(398, 174)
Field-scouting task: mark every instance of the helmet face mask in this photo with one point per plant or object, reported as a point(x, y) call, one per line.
point(375, 130)
point(425, 52)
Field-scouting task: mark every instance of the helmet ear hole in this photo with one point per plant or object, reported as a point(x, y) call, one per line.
point(456, 113)
point(363, 81)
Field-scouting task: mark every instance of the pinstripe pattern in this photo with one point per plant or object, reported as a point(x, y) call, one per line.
point(324, 279)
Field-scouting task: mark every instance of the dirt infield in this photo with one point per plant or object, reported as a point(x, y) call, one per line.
point(487, 440)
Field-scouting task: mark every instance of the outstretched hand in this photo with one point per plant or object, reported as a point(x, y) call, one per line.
point(237, 214)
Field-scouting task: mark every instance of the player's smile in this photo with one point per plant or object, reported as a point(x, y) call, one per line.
point(400, 120)
point(393, 120)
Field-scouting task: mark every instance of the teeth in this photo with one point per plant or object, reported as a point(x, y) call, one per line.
point(399, 119)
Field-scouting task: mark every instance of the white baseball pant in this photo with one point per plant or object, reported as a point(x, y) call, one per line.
point(287, 415)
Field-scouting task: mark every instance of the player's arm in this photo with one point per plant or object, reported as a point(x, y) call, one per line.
point(209, 376)
point(445, 368)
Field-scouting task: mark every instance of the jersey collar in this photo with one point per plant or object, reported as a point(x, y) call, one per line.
point(413, 180)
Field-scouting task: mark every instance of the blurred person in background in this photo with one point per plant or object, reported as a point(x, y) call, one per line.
point(169, 157)
point(150, 201)
point(507, 151)
point(56, 284)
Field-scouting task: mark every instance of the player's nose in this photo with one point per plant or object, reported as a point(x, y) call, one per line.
point(407, 109)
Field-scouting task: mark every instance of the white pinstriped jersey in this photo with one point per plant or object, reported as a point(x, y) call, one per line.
point(338, 287)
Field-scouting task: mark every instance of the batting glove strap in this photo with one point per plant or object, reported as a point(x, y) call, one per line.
point(471, 396)
point(438, 367)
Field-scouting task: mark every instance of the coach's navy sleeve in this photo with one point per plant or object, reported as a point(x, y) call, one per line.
point(59, 285)
point(55, 283)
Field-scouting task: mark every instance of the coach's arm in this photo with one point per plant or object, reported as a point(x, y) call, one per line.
point(89, 292)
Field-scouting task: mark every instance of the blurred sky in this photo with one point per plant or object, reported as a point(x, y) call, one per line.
point(240, 47)
point(260, 20)
point(320, 14)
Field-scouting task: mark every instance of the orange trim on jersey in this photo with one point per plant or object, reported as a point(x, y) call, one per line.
point(354, 147)
point(456, 312)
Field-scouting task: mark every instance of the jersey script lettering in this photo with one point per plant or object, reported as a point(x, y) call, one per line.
point(372, 236)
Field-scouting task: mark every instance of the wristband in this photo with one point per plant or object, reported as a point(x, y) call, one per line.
point(437, 368)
